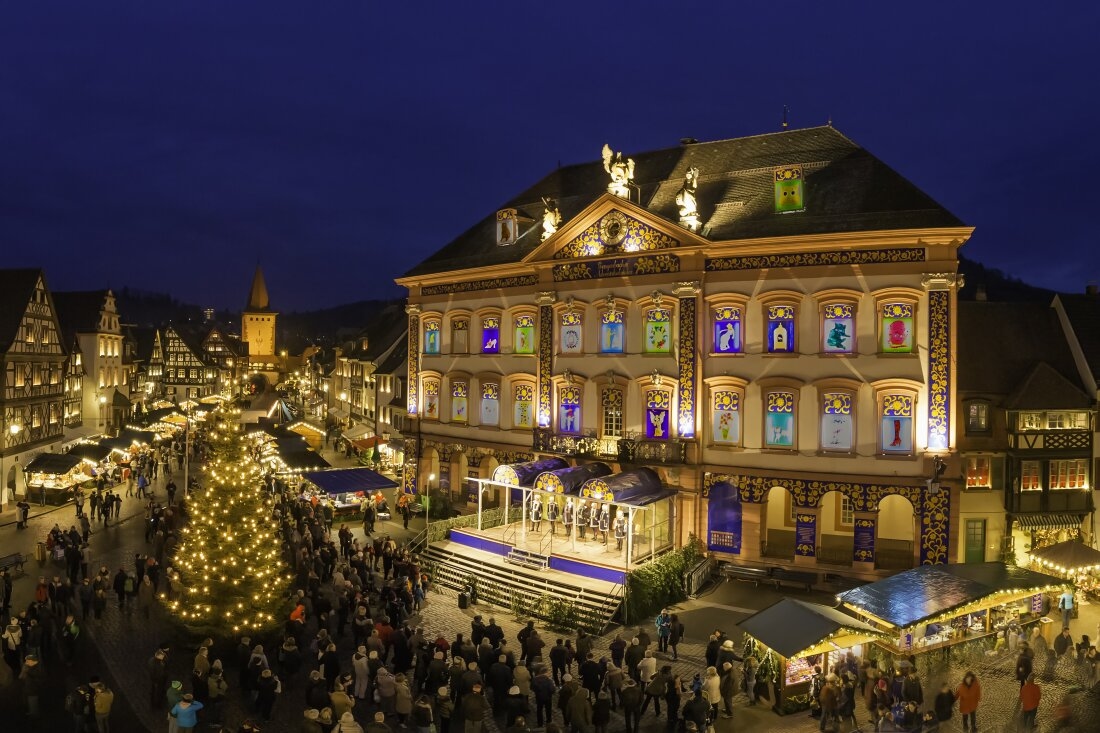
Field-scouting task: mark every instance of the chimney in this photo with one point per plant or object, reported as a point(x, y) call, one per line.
point(1091, 289)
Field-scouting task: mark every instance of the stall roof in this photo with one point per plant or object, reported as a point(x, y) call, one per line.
point(53, 463)
point(791, 627)
point(298, 458)
point(1067, 556)
point(90, 451)
point(350, 480)
point(912, 596)
point(138, 436)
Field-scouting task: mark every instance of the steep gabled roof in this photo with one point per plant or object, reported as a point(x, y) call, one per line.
point(78, 310)
point(1083, 312)
point(16, 289)
point(1045, 389)
point(846, 190)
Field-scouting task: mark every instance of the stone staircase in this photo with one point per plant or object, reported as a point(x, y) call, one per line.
point(523, 584)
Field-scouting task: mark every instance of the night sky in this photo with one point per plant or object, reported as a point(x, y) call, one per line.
point(170, 146)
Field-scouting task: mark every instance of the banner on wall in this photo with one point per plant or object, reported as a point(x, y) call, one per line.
point(805, 535)
point(863, 548)
point(724, 520)
point(445, 479)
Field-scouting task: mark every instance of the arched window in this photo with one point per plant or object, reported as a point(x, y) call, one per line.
point(611, 413)
point(838, 328)
point(658, 331)
point(490, 404)
point(431, 336)
point(897, 424)
point(571, 335)
point(779, 419)
point(490, 335)
point(569, 410)
point(524, 335)
point(658, 405)
point(727, 330)
point(781, 329)
point(460, 401)
point(837, 433)
point(897, 328)
point(431, 398)
point(611, 331)
point(726, 417)
point(460, 335)
point(523, 406)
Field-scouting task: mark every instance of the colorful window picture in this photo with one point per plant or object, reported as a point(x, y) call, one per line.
point(838, 328)
point(658, 330)
point(525, 335)
point(780, 329)
point(789, 194)
point(431, 399)
point(569, 410)
point(460, 336)
point(459, 401)
point(657, 403)
point(726, 417)
point(431, 336)
point(897, 424)
point(897, 328)
point(490, 335)
point(779, 420)
point(836, 422)
point(523, 406)
point(490, 404)
point(571, 342)
point(727, 330)
point(611, 332)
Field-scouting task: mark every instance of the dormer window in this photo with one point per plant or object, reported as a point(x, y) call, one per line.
point(977, 417)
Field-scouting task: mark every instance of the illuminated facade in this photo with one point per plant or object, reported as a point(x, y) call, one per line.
point(92, 318)
point(788, 367)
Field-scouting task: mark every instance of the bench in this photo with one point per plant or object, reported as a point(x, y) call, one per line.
point(729, 571)
point(13, 561)
point(792, 577)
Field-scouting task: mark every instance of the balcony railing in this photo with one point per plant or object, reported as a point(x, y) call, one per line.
point(625, 450)
point(1052, 500)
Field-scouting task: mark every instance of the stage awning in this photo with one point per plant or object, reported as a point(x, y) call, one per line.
point(793, 628)
point(54, 464)
point(915, 596)
point(628, 487)
point(569, 480)
point(523, 474)
point(1067, 557)
point(90, 452)
point(1048, 521)
point(350, 480)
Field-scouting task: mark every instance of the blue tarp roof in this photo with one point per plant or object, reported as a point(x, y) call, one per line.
point(350, 480)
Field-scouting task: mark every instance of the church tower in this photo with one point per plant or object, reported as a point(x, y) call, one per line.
point(258, 322)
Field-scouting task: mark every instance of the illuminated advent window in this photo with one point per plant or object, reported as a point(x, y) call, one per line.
point(779, 420)
point(525, 335)
point(838, 328)
point(431, 399)
point(789, 194)
point(569, 410)
point(726, 417)
point(523, 406)
point(657, 403)
point(836, 422)
point(490, 335)
point(897, 328)
point(490, 404)
point(611, 332)
point(611, 414)
point(1069, 474)
point(459, 401)
point(658, 330)
point(431, 336)
point(460, 336)
point(978, 472)
point(1030, 479)
point(571, 335)
point(727, 330)
point(897, 424)
point(780, 329)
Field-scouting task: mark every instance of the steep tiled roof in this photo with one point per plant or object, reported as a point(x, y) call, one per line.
point(394, 361)
point(16, 289)
point(846, 190)
point(1000, 344)
point(1045, 389)
point(78, 310)
point(1083, 312)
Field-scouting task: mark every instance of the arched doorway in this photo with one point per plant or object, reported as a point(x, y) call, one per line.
point(836, 524)
point(896, 534)
point(724, 519)
point(778, 535)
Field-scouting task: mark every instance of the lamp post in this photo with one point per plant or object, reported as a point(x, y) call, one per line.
point(102, 408)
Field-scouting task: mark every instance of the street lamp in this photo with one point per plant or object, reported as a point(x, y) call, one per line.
point(102, 407)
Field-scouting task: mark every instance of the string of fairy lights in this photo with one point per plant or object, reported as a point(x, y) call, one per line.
point(227, 563)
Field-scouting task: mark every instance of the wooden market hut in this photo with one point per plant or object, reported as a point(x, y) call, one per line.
point(801, 635)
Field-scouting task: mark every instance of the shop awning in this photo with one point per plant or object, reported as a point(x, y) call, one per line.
point(90, 452)
point(54, 464)
point(367, 443)
point(793, 628)
point(350, 480)
point(915, 596)
point(1067, 557)
point(356, 431)
point(339, 412)
point(1048, 521)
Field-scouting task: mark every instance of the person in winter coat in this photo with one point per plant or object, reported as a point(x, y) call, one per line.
point(727, 688)
point(712, 690)
point(521, 675)
point(387, 690)
point(675, 635)
point(402, 698)
point(515, 705)
point(828, 700)
point(601, 712)
point(544, 688)
point(186, 714)
point(267, 687)
point(348, 724)
point(632, 705)
point(311, 721)
point(578, 713)
point(444, 710)
point(339, 699)
point(317, 691)
point(422, 715)
point(1023, 664)
point(969, 694)
point(475, 709)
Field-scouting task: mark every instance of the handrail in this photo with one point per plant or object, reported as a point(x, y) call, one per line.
point(547, 540)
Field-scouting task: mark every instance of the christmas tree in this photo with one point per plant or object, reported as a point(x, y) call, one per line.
point(231, 577)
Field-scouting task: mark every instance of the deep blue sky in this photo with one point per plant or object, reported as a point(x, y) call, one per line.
point(170, 145)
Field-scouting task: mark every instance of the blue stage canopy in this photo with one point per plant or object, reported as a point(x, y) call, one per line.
point(570, 480)
point(523, 474)
point(638, 486)
point(349, 480)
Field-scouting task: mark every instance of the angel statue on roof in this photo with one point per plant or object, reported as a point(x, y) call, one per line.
point(551, 217)
point(685, 199)
point(622, 173)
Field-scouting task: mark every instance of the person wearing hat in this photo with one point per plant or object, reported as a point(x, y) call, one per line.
point(515, 705)
point(290, 658)
point(444, 709)
point(185, 714)
point(348, 724)
point(601, 712)
point(726, 653)
point(173, 696)
point(326, 719)
point(311, 723)
point(569, 687)
point(339, 698)
point(634, 655)
point(317, 690)
point(216, 688)
point(632, 705)
point(378, 725)
point(578, 711)
point(402, 698)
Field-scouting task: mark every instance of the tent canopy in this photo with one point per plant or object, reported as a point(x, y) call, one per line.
point(350, 480)
point(90, 451)
point(790, 627)
point(54, 464)
point(1068, 556)
point(913, 596)
point(523, 474)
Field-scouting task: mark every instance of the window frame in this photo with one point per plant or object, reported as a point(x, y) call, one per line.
point(610, 308)
point(827, 398)
point(972, 426)
point(900, 400)
point(1068, 470)
point(973, 474)
point(789, 395)
point(483, 388)
point(606, 417)
point(1031, 472)
point(426, 320)
point(907, 299)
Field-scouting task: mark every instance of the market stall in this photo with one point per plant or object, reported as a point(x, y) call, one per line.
point(1074, 561)
point(347, 487)
point(938, 606)
point(799, 635)
point(52, 477)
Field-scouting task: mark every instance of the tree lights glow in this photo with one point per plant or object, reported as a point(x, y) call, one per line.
point(230, 574)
